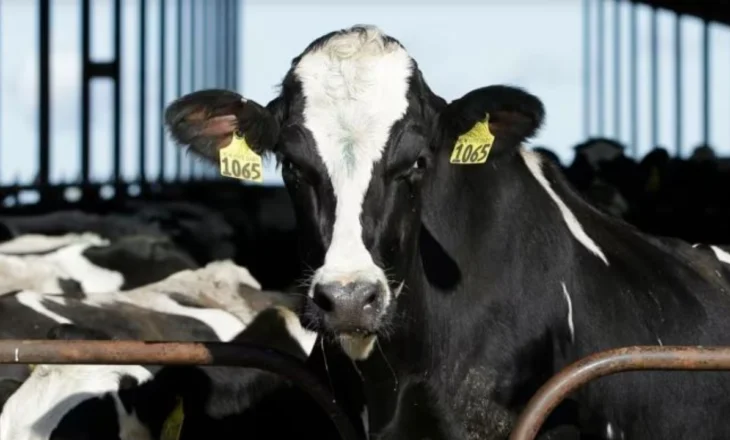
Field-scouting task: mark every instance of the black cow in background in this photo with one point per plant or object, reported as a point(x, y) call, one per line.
point(664, 195)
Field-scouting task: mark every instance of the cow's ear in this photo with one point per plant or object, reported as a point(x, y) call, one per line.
point(206, 121)
point(509, 115)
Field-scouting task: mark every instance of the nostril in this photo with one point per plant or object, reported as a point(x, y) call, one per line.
point(371, 298)
point(322, 300)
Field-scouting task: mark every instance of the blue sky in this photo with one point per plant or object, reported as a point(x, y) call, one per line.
point(459, 44)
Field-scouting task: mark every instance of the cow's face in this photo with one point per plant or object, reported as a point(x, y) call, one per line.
point(351, 129)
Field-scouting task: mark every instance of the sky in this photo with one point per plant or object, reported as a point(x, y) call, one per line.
point(459, 45)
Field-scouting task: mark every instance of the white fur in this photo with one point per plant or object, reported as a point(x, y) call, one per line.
point(93, 279)
point(130, 427)
point(534, 164)
point(358, 348)
point(33, 301)
point(42, 272)
point(571, 326)
point(28, 243)
point(36, 408)
point(355, 88)
point(215, 285)
point(304, 337)
point(721, 255)
point(365, 421)
point(224, 324)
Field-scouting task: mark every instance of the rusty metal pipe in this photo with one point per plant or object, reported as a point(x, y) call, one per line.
point(608, 362)
point(178, 353)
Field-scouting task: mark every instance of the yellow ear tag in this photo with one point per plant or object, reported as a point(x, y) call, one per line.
point(473, 146)
point(31, 367)
point(172, 427)
point(239, 161)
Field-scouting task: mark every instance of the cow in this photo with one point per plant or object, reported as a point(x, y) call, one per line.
point(471, 283)
point(88, 262)
point(77, 402)
point(201, 232)
point(221, 285)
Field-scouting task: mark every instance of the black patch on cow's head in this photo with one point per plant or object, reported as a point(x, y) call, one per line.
point(440, 269)
point(71, 288)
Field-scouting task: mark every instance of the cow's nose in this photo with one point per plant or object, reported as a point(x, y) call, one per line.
point(351, 307)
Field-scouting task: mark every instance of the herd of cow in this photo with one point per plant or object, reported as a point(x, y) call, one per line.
point(443, 288)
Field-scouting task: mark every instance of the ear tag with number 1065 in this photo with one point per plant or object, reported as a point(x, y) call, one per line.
point(473, 146)
point(239, 161)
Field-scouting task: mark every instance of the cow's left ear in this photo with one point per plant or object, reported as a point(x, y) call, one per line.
point(509, 115)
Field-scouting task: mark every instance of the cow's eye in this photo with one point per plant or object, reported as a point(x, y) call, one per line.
point(419, 164)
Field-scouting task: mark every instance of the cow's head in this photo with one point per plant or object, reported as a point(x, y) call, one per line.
point(353, 128)
point(350, 128)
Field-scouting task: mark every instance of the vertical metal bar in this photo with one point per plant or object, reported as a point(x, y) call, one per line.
point(633, 81)
point(118, 91)
point(193, 71)
point(601, 53)
point(163, 82)
point(205, 33)
point(1, 93)
point(142, 90)
point(179, 67)
point(44, 95)
point(706, 83)
point(587, 59)
point(678, 85)
point(654, 77)
point(221, 47)
point(85, 89)
point(236, 42)
point(226, 43)
point(617, 68)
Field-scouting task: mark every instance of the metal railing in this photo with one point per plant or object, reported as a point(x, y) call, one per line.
point(547, 398)
point(604, 363)
point(178, 353)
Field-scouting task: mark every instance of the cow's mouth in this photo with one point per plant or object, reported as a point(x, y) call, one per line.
point(357, 346)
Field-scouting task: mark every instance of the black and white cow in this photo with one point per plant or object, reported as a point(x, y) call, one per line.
point(80, 402)
point(88, 263)
point(478, 282)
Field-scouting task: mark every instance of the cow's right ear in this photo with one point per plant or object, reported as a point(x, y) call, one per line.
point(206, 121)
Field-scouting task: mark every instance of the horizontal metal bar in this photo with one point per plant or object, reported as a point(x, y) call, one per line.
point(609, 362)
point(177, 353)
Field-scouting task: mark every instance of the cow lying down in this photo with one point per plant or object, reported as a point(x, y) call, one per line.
point(75, 263)
point(80, 402)
point(209, 304)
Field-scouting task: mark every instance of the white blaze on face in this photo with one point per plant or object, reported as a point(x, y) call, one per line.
point(355, 88)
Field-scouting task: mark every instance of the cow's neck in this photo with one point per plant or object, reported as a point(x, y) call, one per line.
point(478, 296)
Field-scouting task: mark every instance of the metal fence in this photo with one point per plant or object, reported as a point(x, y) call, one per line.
point(648, 73)
point(547, 398)
point(181, 45)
